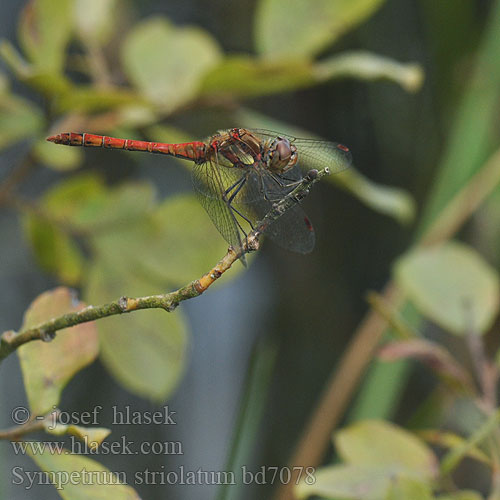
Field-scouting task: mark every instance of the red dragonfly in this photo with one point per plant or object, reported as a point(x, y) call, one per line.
point(238, 175)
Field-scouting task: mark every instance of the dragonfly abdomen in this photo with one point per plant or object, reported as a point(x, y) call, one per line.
point(195, 151)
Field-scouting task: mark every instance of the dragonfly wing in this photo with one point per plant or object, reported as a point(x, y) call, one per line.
point(314, 154)
point(292, 230)
point(210, 190)
point(321, 154)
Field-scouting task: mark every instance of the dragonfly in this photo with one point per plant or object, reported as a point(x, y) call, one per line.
point(239, 174)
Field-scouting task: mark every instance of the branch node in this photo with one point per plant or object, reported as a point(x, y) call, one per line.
point(171, 307)
point(47, 335)
point(123, 303)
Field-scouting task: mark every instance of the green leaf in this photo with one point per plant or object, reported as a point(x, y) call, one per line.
point(405, 488)
point(45, 30)
point(48, 367)
point(145, 351)
point(167, 63)
point(95, 20)
point(461, 495)
point(88, 98)
point(55, 251)
point(75, 197)
point(246, 76)
point(118, 209)
point(294, 29)
point(366, 66)
point(378, 443)
point(86, 204)
point(452, 285)
point(173, 246)
point(79, 478)
point(349, 482)
point(91, 436)
point(19, 119)
point(57, 158)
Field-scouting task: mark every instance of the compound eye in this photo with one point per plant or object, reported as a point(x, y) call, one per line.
point(283, 150)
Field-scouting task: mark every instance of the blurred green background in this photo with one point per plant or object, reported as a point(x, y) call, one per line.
point(411, 87)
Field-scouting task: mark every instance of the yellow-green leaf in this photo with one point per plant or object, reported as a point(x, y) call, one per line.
point(348, 482)
point(294, 29)
point(91, 436)
point(95, 20)
point(19, 119)
point(58, 158)
point(461, 495)
point(247, 76)
point(80, 478)
point(409, 488)
point(44, 32)
point(48, 367)
point(452, 285)
point(378, 443)
point(54, 250)
point(167, 63)
point(145, 350)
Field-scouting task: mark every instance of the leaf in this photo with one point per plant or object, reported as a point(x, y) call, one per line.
point(45, 30)
point(48, 367)
point(19, 119)
point(294, 29)
point(54, 250)
point(405, 488)
point(95, 20)
point(451, 285)
point(461, 495)
point(246, 76)
point(58, 158)
point(79, 478)
point(86, 204)
point(378, 443)
point(91, 436)
point(167, 63)
point(366, 66)
point(91, 98)
point(145, 351)
point(349, 482)
point(173, 246)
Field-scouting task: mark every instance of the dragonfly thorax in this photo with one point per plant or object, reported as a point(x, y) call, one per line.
point(281, 156)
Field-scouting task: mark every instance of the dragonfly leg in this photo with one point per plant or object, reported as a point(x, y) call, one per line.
point(238, 185)
point(243, 217)
point(241, 180)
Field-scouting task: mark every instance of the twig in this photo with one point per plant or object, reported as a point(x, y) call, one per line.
point(401, 328)
point(10, 341)
point(35, 424)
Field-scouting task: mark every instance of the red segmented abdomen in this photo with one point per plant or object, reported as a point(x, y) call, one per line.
point(195, 151)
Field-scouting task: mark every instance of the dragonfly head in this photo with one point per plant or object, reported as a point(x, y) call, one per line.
point(282, 155)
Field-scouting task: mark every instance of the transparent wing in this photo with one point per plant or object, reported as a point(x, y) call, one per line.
point(314, 154)
point(293, 230)
point(210, 189)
